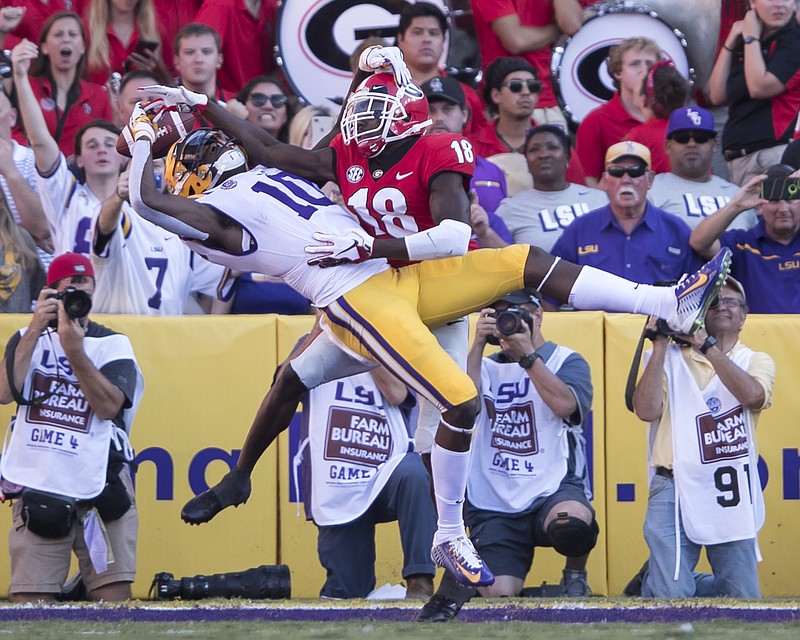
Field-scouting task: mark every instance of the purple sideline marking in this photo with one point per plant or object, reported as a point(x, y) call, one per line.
point(581, 615)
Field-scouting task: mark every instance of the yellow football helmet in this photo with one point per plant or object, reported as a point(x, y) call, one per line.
point(202, 160)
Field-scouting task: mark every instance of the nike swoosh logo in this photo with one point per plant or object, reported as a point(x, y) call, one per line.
point(400, 176)
point(472, 577)
point(702, 278)
point(352, 246)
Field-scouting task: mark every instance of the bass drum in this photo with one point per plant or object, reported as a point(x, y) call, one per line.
point(578, 65)
point(315, 39)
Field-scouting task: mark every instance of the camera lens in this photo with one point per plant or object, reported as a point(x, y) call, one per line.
point(506, 323)
point(77, 303)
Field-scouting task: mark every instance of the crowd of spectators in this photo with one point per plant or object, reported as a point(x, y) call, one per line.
point(629, 189)
point(87, 61)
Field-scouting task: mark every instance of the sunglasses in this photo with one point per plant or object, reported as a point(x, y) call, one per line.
point(260, 99)
point(515, 86)
point(636, 171)
point(700, 137)
point(726, 302)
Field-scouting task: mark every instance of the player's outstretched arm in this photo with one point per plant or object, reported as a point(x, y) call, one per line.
point(262, 148)
point(182, 216)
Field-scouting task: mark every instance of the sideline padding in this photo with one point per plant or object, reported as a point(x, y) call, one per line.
point(205, 378)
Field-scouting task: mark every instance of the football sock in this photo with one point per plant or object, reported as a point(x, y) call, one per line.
point(450, 482)
point(596, 289)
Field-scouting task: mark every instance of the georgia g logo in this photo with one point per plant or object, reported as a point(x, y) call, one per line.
point(316, 38)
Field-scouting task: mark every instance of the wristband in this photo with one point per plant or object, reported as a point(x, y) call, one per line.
point(710, 341)
point(526, 362)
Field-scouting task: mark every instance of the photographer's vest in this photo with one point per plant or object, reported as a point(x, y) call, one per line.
point(355, 441)
point(60, 445)
point(520, 448)
point(717, 489)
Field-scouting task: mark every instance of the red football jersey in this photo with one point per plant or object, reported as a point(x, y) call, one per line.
point(396, 203)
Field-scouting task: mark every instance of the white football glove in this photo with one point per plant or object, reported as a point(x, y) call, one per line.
point(378, 58)
point(142, 127)
point(175, 97)
point(354, 246)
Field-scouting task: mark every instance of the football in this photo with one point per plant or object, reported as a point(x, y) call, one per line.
point(171, 126)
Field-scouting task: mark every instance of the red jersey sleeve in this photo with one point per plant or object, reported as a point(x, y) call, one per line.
point(447, 152)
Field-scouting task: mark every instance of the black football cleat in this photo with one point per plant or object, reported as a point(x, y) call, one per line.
point(445, 604)
point(231, 491)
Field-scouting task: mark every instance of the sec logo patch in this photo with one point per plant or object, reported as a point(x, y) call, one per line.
point(354, 174)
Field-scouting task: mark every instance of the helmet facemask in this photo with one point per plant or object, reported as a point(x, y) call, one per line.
point(202, 160)
point(374, 116)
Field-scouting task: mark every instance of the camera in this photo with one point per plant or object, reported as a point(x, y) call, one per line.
point(272, 582)
point(510, 321)
point(77, 304)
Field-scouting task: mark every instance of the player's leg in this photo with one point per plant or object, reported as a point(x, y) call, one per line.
point(454, 339)
point(683, 306)
point(380, 320)
point(453, 287)
point(321, 360)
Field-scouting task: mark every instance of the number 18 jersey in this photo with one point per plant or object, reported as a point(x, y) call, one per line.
point(395, 202)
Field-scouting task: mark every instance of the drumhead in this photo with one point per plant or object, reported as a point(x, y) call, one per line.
point(314, 41)
point(578, 65)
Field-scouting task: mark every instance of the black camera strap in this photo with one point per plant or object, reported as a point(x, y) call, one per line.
point(630, 384)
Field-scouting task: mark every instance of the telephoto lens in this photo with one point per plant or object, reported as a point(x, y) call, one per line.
point(267, 582)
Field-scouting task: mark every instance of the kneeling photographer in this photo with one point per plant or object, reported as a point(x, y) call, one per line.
point(66, 463)
point(527, 485)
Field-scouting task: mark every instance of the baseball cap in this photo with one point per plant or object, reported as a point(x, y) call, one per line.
point(690, 119)
point(444, 88)
point(628, 149)
point(521, 296)
point(69, 264)
point(733, 283)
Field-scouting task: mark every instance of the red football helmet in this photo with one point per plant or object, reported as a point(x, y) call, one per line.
point(380, 111)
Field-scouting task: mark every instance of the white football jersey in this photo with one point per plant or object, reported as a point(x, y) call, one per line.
point(145, 270)
point(70, 208)
point(279, 213)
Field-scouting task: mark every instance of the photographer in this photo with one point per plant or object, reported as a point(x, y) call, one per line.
point(77, 386)
point(527, 484)
point(702, 399)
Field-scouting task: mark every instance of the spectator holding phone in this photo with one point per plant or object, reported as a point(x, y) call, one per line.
point(67, 102)
point(122, 35)
point(764, 257)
